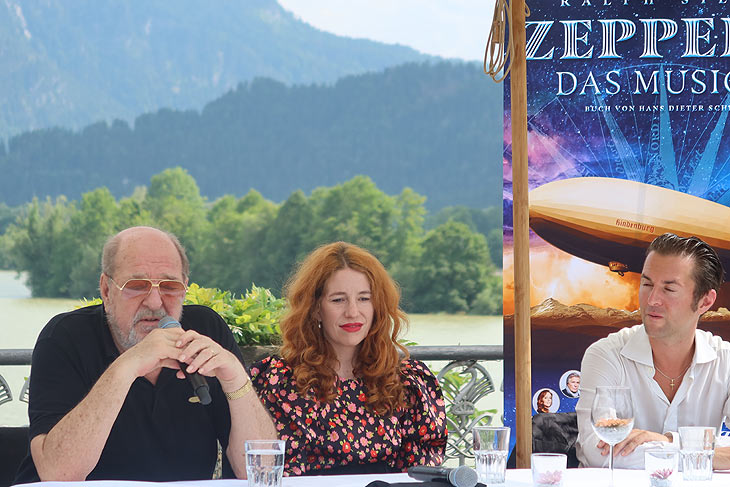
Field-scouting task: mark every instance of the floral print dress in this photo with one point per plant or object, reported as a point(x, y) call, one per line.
point(326, 435)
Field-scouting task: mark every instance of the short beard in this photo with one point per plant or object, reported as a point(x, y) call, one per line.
point(132, 338)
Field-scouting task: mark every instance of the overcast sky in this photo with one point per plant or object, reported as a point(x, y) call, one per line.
point(447, 28)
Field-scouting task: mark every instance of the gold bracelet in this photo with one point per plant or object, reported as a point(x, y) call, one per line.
point(239, 393)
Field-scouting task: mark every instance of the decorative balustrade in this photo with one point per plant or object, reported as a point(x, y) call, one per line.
point(464, 381)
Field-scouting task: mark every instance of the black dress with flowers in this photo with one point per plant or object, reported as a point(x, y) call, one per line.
point(322, 436)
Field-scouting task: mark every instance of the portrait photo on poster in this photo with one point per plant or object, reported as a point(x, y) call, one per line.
point(570, 383)
point(546, 401)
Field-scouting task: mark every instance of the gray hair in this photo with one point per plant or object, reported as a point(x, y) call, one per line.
point(111, 248)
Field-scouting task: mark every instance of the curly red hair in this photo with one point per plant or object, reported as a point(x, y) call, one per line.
point(311, 356)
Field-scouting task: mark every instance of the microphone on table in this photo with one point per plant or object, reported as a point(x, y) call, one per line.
point(200, 385)
point(461, 476)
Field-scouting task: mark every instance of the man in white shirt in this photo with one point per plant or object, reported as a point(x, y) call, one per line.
point(679, 376)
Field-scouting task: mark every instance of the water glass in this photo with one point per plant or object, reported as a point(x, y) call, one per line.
point(661, 467)
point(548, 469)
point(265, 462)
point(491, 448)
point(696, 450)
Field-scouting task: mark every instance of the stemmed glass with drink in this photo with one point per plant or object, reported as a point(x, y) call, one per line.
point(612, 417)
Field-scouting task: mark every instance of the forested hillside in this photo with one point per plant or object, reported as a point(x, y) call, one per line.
point(433, 127)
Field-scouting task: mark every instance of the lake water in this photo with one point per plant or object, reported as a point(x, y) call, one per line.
point(23, 317)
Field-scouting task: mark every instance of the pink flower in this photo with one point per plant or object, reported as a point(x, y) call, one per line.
point(550, 478)
point(662, 474)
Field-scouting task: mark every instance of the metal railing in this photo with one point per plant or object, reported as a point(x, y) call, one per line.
point(15, 356)
point(464, 381)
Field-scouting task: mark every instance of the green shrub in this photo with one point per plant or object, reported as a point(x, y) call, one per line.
point(253, 318)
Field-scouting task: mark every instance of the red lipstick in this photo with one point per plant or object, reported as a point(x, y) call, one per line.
point(351, 327)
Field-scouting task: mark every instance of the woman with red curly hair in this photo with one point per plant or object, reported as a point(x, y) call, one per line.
point(341, 395)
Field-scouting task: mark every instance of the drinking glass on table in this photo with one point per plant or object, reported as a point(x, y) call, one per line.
point(265, 462)
point(696, 451)
point(548, 469)
point(661, 466)
point(491, 448)
point(612, 417)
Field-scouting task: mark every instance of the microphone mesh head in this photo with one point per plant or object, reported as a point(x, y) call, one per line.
point(463, 476)
point(168, 322)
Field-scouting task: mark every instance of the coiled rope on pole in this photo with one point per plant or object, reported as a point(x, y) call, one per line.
point(500, 48)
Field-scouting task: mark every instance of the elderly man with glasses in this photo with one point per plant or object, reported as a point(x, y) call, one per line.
point(107, 399)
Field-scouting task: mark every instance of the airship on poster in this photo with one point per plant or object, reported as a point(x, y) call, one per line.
point(612, 221)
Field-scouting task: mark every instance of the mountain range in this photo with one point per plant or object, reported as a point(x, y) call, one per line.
point(241, 94)
point(70, 63)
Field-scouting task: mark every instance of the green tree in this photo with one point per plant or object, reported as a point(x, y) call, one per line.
point(6, 261)
point(238, 242)
point(7, 216)
point(97, 218)
point(404, 242)
point(132, 210)
point(287, 239)
point(487, 221)
point(175, 204)
point(489, 301)
point(495, 241)
point(36, 245)
point(233, 247)
point(356, 212)
point(451, 271)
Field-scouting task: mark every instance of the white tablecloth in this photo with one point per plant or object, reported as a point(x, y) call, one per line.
point(600, 477)
point(574, 477)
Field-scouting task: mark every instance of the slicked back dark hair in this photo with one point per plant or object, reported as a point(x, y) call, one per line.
point(708, 272)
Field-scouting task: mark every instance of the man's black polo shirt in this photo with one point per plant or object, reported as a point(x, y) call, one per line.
point(158, 435)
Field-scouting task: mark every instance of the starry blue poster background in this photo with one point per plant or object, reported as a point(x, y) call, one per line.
point(647, 108)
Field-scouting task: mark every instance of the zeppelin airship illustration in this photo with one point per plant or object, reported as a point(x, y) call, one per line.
point(612, 221)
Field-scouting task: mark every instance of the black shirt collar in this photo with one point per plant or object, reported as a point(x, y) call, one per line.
point(107, 342)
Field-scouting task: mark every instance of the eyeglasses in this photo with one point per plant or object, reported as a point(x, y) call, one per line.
point(135, 288)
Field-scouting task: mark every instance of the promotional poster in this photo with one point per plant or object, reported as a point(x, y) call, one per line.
point(627, 112)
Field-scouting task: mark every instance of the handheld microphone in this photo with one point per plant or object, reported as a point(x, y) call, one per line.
point(461, 476)
point(200, 385)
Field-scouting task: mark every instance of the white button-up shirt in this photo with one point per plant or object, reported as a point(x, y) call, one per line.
point(624, 358)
